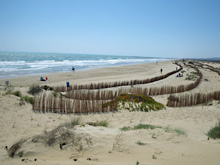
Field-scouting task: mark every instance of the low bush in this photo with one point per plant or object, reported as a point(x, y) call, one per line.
point(28, 99)
point(148, 126)
point(140, 143)
point(140, 126)
point(61, 133)
point(103, 123)
point(35, 89)
point(17, 93)
point(180, 131)
point(192, 76)
point(46, 87)
point(138, 102)
point(214, 132)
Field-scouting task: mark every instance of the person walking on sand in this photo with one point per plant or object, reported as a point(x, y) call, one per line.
point(161, 70)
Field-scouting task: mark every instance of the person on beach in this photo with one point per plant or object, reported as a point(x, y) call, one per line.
point(42, 79)
point(161, 70)
point(73, 69)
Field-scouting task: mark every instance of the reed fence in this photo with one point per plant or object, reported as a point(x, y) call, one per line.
point(91, 101)
point(63, 105)
point(191, 99)
point(104, 85)
point(213, 69)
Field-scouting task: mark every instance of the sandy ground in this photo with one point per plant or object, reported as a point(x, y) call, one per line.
point(110, 145)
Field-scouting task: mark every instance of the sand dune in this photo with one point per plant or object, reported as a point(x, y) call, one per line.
point(111, 145)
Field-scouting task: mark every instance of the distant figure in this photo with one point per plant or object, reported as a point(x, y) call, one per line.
point(73, 69)
point(7, 83)
point(67, 84)
point(161, 70)
point(46, 78)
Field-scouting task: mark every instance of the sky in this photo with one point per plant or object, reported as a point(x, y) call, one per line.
point(152, 28)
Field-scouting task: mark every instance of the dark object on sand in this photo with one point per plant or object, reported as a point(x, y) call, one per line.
point(61, 145)
point(6, 147)
point(42, 79)
point(89, 159)
point(179, 75)
point(35, 160)
point(73, 69)
point(67, 84)
point(75, 160)
point(7, 83)
point(22, 160)
point(161, 70)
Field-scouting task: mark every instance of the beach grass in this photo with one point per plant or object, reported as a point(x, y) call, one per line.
point(140, 126)
point(214, 132)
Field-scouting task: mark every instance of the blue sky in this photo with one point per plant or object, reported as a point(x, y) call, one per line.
point(155, 28)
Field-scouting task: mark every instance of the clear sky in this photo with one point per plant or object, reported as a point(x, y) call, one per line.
point(155, 28)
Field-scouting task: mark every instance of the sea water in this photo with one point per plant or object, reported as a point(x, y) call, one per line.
point(14, 64)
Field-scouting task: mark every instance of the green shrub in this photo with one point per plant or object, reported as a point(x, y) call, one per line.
point(21, 153)
point(46, 87)
point(17, 93)
point(140, 143)
point(126, 128)
point(180, 131)
point(103, 123)
point(192, 76)
point(140, 126)
point(214, 132)
point(35, 89)
point(133, 100)
point(146, 126)
point(28, 99)
point(154, 157)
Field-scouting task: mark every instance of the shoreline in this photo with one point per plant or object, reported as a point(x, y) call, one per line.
point(85, 69)
point(69, 76)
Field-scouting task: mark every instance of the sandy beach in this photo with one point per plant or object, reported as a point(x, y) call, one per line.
point(111, 145)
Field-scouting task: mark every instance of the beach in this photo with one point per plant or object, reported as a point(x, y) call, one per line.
point(111, 145)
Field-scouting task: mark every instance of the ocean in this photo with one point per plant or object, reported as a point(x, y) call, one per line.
point(13, 64)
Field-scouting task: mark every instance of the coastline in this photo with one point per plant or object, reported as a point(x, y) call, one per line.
point(91, 75)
